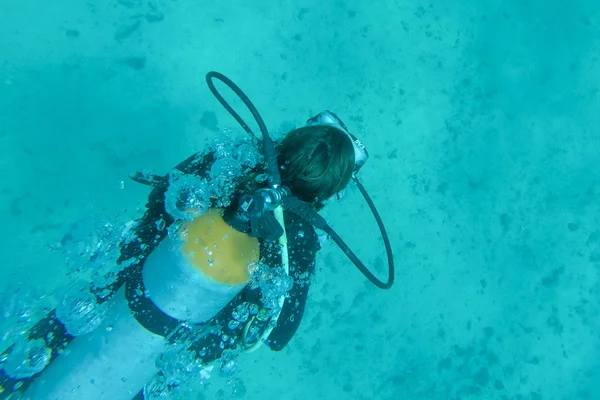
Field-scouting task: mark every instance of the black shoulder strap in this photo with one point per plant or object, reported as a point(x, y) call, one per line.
point(143, 308)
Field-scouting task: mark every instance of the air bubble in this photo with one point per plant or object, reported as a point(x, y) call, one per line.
point(178, 365)
point(160, 224)
point(273, 284)
point(228, 367)
point(223, 149)
point(263, 314)
point(241, 313)
point(187, 197)
point(79, 311)
point(156, 388)
point(248, 155)
point(27, 358)
point(233, 324)
point(253, 308)
point(238, 388)
point(225, 169)
point(261, 178)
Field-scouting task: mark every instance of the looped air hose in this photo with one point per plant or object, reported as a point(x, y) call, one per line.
point(304, 211)
point(295, 205)
point(386, 241)
point(268, 146)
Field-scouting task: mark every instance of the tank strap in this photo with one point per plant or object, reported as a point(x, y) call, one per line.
point(143, 308)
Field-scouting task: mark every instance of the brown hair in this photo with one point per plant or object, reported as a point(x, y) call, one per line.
point(316, 162)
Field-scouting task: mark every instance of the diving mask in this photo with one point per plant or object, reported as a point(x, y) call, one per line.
point(328, 118)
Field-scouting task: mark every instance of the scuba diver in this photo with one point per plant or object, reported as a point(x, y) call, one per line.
point(206, 274)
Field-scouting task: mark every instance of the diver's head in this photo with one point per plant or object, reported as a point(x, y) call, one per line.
point(316, 162)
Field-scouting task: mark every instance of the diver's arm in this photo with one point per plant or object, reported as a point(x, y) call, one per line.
point(303, 245)
point(220, 335)
point(289, 320)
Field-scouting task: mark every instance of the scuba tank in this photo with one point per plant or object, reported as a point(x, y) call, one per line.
point(184, 280)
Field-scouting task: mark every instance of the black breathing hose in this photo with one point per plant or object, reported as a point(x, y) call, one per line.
point(303, 210)
point(268, 147)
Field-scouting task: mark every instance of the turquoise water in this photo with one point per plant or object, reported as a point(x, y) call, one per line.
point(482, 125)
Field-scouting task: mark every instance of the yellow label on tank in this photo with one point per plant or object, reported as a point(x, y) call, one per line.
point(217, 249)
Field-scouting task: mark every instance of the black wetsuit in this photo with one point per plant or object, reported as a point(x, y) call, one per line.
point(303, 245)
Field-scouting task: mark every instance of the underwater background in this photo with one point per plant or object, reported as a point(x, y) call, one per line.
point(482, 122)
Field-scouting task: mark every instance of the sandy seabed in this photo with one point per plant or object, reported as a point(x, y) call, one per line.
point(481, 121)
